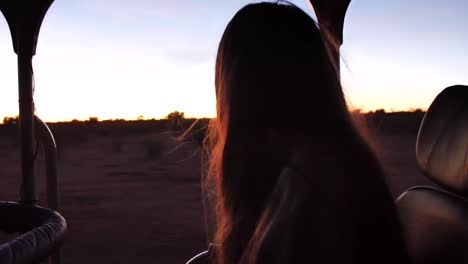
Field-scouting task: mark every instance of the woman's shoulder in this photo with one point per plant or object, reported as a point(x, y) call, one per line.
point(285, 207)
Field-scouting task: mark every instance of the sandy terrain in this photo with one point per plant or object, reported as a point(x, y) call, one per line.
point(123, 204)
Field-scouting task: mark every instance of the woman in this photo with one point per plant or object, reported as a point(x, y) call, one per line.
point(293, 180)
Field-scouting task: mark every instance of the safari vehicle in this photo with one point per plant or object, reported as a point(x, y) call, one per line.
point(435, 219)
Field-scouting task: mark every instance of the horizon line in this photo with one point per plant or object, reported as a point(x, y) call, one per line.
point(143, 118)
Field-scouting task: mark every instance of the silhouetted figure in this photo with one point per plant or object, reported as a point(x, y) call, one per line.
point(291, 180)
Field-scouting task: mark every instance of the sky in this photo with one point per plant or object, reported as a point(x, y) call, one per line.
point(124, 59)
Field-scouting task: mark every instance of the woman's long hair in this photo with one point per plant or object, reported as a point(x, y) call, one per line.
point(280, 105)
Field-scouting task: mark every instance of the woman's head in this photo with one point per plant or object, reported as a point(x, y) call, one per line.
point(274, 73)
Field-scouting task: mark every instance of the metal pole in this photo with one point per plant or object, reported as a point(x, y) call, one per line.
point(26, 124)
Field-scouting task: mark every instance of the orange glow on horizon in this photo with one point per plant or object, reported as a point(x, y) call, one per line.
point(189, 116)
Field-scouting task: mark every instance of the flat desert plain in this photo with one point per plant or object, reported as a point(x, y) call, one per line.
point(127, 202)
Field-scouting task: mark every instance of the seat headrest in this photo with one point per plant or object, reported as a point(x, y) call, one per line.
point(441, 147)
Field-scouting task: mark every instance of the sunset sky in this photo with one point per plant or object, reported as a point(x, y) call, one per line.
point(124, 59)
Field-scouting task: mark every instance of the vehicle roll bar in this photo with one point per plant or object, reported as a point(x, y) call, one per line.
point(45, 136)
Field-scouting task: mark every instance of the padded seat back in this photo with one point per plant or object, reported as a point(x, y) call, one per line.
point(435, 220)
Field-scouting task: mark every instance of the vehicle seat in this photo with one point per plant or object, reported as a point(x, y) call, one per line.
point(435, 220)
point(205, 257)
point(41, 233)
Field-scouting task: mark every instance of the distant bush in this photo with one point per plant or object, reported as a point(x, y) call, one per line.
point(175, 115)
point(154, 148)
point(93, 119)
point(176, 119)
point(10, 121)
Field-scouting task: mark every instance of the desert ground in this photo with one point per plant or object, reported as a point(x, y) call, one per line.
point(135, 198)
